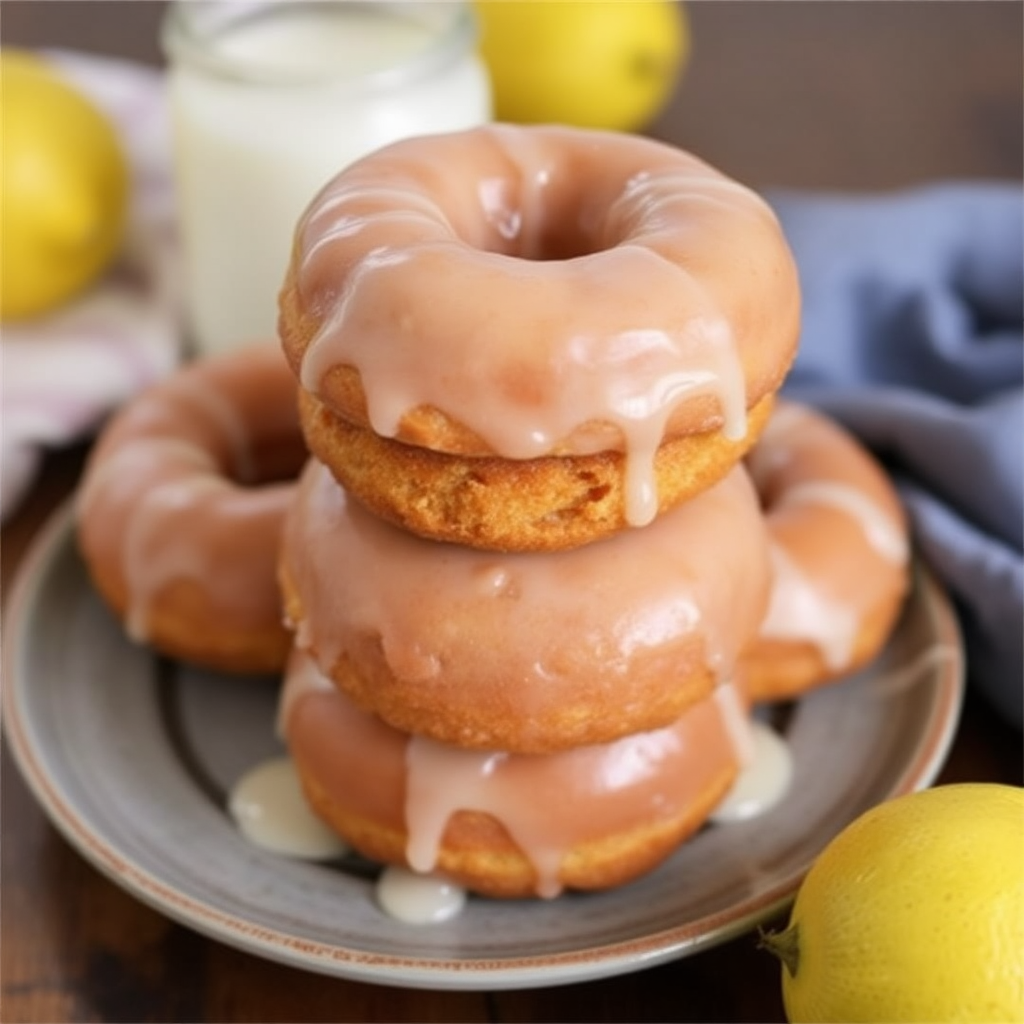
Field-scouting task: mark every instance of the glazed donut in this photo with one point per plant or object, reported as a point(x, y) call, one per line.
point(181, 506)
point(542, 292)
point(474, 816)
point(525, 652)
point(545, 504)
point(840, 554)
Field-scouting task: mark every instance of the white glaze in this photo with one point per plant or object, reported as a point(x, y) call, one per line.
point(270, 809)
point(763, 782)
point(880, 531)
point(839, 547)
point(415, 898)
point(303, 676)
point(798, 610)
point(150, 562)
point(443, 779)
point(133, 456)
point(737, 721)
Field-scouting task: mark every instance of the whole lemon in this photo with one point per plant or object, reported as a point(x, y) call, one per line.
point(65, 186)
point(610, 65)
point(914, 912)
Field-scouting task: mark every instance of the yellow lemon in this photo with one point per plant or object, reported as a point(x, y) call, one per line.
point(914, 912)
point(65, 185)
point(609, 65)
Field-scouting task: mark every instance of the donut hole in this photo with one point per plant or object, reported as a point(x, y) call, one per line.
point(562, 238)
point(244, 415)
point(769, 491)
point(278, 460)
point(540, 238)
point(567, 242)
point(261, 457)
point(541, 218)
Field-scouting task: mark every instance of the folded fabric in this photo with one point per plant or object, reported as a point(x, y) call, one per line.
point(64, 372)
point(913, 336)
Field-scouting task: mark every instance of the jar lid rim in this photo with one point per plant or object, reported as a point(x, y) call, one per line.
point(190, 28)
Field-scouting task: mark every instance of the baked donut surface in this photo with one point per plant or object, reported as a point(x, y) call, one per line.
point(525, 652)
point(544, 504)
point(529, 292)
point(840, 554)
point(612, 811)
point(181, 507)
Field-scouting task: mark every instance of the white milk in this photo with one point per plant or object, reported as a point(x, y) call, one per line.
point(269, 101)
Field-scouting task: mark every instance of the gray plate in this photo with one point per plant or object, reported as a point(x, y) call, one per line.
point(131, 757)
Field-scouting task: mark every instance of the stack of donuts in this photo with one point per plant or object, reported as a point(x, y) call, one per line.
point(556, 535)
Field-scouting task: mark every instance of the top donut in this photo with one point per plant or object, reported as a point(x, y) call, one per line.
point(536, 292)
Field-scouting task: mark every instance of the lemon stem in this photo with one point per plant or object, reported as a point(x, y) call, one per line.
point(785, 945)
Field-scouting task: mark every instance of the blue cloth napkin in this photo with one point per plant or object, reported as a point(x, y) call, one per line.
point(913, 337)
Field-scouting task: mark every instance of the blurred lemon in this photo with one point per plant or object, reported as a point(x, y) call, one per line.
point(914, 912)
point(65, 187)
point(609, 65)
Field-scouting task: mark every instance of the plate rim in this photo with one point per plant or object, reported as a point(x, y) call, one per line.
point(601, 960)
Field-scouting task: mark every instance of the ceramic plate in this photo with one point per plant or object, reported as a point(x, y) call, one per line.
point(131, 757)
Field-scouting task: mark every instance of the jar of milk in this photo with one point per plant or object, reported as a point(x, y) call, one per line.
point(270, 100)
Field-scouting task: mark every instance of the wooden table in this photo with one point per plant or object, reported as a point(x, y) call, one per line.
point(816, 95)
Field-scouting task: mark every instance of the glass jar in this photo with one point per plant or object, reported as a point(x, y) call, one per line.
point(269, 100)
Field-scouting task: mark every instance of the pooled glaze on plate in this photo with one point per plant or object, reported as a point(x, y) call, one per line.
point(127, 755)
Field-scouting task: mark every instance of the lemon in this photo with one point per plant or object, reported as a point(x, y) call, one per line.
point(914, 912)
point(610, 65)
point(65, 185)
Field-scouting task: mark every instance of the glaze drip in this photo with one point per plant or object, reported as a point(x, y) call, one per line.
point(531, 638)
point(800, 610)
point(182, 503)
point(473, 274)
point(838, 534)
point(422, 787)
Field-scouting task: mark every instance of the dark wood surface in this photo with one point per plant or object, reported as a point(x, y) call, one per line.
point(812, 95)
